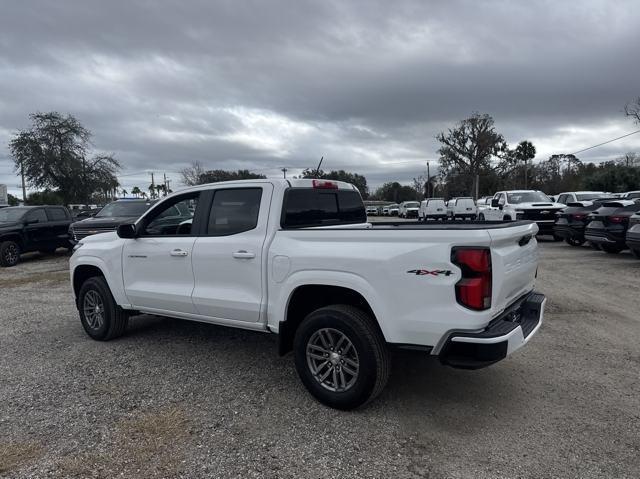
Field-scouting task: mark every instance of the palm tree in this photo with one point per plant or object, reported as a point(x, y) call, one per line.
point(135, 191)
point(152, 190)
point(124, 192)
point(143, 194)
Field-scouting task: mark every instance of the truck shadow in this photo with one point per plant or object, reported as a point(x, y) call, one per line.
point(420, 390)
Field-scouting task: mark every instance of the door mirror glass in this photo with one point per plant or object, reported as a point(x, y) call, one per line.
point(494, 203)
point(127, 230)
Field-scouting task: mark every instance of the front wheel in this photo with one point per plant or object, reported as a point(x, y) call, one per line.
point(611, 249)
point(100, 315)
point(9, 253)
point(341, 357)
point(575, 241)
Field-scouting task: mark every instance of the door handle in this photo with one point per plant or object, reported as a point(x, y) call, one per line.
point(179, 252)
point(243, 254)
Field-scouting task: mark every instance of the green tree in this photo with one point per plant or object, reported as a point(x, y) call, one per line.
point(614, 177)
point(197, 175)
point(467, 149)
point(393, 191)
point(54, 154)
point(355, 179)
point(136, 191)
point(45, 197)
point(13, 201)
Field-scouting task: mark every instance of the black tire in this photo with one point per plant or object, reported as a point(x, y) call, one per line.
point(557, 238)
point(48, 251)
point(635, 253)
point(114, 318)
point(611, 249)
point(9, 253)
point(506, 218)
point(481, 217)
point(367, 342)
point(595, 246)
point(575, 241)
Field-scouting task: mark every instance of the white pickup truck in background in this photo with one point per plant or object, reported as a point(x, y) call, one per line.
point(298, 259)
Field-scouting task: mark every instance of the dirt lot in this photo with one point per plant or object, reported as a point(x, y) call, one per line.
point(180, 399)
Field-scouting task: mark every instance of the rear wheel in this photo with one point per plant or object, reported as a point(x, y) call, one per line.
point(575, 241)
point(100, 315)
point(9, 253)
point(507, 218)
point(557, 238)
point(341, 357)
point(611, 249)
point(481, 217)
point(635, 253)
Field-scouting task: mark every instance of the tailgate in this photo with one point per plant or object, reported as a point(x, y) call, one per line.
point(514, 260)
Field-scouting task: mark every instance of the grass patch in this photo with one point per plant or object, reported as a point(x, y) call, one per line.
point(15, 455)
point(149, 445)
point(33, 278)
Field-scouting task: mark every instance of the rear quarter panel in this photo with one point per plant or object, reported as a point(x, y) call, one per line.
point(402, 275)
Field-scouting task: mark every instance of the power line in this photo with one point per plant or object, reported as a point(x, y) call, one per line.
point(605, 142)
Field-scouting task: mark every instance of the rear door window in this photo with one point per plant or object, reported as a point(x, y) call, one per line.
point(56, 214)
point(234, 211)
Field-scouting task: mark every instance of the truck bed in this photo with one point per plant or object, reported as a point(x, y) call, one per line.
point(447, 225)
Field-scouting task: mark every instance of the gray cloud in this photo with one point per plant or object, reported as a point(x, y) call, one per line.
point(261, 85)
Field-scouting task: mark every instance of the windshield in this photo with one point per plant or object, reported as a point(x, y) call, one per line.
point(8, 215)
point(412, 204)
point(592, 196)
point(528, 197)
point(124, 208)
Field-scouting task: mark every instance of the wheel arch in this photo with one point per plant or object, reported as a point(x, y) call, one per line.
point(83, 272)
point(305, 298)
point(15, 237)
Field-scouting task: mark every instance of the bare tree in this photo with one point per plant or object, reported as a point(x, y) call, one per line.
point(192, 175)
point(632, 109)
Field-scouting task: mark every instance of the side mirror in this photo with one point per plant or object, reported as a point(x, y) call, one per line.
point(494, 203)
point(127, 231)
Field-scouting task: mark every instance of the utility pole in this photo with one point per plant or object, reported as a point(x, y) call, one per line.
point(153, 185)
point(24, 189)
point(284, 172)
point(165, 184)
point(477, 187)
point(319, 165)
point(525, 174)
point(428, 182)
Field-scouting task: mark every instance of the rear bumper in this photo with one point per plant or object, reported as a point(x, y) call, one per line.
point(504, 335)
point(604, 237)
point(633, 240)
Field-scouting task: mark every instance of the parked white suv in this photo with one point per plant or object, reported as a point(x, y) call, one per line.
point(463, 207)
point(577, 196)
point(297, 258)
point(432, 209)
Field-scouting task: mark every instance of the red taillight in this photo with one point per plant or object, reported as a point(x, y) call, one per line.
point(578, 216)
point(473, 291)
point(616, 219)
point(325, 185)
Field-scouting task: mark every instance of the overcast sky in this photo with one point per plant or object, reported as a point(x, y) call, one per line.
point(268, 84)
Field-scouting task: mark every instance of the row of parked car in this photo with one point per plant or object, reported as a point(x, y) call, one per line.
point(608, 221)
point(25, 229)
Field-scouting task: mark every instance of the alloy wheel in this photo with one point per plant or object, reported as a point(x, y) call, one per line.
point(332, 360)
point(93, 309)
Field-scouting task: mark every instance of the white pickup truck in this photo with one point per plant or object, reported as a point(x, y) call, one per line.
point(298, 259)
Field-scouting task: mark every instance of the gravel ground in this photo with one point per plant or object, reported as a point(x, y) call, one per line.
point(180, 399)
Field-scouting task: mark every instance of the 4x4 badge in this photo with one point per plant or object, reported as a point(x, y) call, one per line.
point(435, 272)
